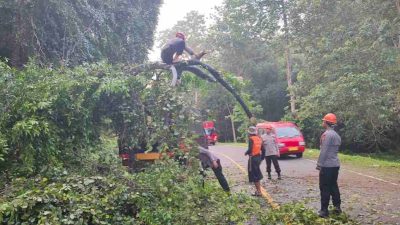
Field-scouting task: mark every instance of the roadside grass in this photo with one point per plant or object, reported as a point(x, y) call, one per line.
point(384, 161)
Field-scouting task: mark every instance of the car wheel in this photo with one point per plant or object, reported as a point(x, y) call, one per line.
point(299, 155)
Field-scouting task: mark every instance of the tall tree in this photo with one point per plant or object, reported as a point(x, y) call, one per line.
point(351, 68)
point(193, 25)
point(74, 31)
point(245, 43)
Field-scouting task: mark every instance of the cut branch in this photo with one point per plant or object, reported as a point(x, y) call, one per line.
point(189, 65)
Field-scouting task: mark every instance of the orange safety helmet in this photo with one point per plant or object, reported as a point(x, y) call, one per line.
point(180, 35)
point(330, 117)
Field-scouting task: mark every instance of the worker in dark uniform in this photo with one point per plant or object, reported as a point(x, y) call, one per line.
point(256, 154)
point(208, 159)
point(328, 165)
point(172, 51)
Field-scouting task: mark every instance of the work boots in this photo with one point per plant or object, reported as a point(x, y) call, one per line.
point(269, 176)
point(337, 210)
point(323, 213)
point(279, 176)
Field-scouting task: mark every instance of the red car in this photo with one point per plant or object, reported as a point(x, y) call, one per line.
point(210, 132)
point(289, 138)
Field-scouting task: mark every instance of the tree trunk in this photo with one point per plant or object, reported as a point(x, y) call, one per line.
point(20, 32)
point(196, 98)
point(232, 124)
point(398, 6)
point(398, 11)
point(288, 59)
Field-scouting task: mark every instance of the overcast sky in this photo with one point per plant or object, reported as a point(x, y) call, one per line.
point(174, 10)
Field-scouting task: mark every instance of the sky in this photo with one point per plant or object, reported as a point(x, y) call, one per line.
point(174, 10)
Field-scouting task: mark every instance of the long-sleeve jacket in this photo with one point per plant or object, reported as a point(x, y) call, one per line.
point(269, 143)
point(329, 148)
point(206, 157)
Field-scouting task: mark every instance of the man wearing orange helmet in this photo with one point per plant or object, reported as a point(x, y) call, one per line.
point(328, 165)
point(172, 51)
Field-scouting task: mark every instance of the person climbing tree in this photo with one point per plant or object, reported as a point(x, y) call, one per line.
point(328, 165)
point(172, 51)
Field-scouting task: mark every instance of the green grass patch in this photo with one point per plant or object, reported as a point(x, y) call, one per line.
point(371, 160)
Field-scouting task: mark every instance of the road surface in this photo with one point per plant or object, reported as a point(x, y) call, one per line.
point(366, 197)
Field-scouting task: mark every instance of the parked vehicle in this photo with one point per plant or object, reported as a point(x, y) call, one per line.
point(289, 138)
point(210, 132)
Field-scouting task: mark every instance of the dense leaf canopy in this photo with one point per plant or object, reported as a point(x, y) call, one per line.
point(76, 31)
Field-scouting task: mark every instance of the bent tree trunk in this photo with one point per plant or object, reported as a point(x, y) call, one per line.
point(189, 65)
point(220, 80)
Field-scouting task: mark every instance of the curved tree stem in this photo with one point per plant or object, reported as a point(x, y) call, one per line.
point(188, 65)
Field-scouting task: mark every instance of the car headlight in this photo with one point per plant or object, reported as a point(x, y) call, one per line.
point(281, 145)
point(302, 143)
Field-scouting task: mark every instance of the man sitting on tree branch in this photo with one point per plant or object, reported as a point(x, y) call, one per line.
point(171, 54)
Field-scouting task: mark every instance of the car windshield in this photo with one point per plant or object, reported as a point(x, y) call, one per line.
point(287, 132)
point(209, 131)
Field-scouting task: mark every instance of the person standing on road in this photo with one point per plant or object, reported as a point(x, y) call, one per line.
point(271, 152)
point(255, 152)
point(328, 165)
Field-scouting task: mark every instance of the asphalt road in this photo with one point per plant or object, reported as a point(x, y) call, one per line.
point(366, 197)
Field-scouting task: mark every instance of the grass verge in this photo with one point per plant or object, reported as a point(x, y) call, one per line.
point(383, 161)
point(387, 162)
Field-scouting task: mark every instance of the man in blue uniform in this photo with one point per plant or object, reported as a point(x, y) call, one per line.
point(328, 165)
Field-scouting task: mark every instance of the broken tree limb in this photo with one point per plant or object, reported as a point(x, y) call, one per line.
point(199, 73)
point(220, 80)
point(146, 67)
point(189, 65)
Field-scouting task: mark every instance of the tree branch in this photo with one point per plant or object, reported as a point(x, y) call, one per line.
point(188, 65)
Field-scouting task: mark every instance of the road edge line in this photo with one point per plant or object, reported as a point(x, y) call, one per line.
point(364, 175)
point(264, 192)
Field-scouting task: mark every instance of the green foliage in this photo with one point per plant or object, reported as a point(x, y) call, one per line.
point(193, 25)
point(55, 118)
point(383, 162)
point(165, 194)
point(298, 214)
point(220, 105)
point(367, 113)
point(351, 68)
point(77, 31)
point(248, 44)
point(238, 47)
point(71, 200)
point(178, 197)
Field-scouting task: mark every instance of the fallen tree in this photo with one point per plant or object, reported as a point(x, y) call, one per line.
point(191, 66)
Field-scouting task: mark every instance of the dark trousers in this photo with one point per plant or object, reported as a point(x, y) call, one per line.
point(167, 57)
point(328, 186)
point(274, 160)
point(221, 178)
